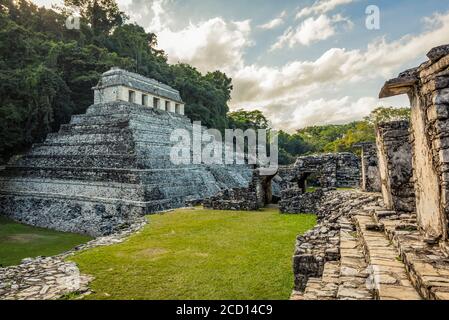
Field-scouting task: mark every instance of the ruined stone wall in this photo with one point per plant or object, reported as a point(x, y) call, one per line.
point(428, 89)
point(294, 201)
point(395, 165)
point(347, 170)
point(370, 176)
point(321, 244)
point(333, 170)
point(339, 170)
point(255, 196)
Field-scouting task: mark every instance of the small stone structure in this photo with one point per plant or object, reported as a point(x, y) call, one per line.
point(110, 166)
point(370, 176)
point(331, 171)
point(251, 198)
point(121, 85)
point(427, 87)
point(395, 165)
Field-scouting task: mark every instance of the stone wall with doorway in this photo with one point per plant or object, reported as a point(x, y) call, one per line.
point(330, 170)
point(324, 172)
point(255, 196)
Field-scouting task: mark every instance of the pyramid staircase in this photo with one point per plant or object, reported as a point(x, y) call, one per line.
point(106, 168)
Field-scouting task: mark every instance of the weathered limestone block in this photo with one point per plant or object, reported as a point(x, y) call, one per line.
point(370, 181)
point(428, 90)
point(294, 201)
point(395, 165)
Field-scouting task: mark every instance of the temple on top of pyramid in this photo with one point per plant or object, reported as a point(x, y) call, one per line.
point(121, 85)
point(111, 165)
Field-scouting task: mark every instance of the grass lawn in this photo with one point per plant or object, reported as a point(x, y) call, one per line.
point(18, 241)
point(200, 254)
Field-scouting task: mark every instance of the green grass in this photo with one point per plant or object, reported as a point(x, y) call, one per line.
point(18, 241)
point(345, 189)
point(200, 254)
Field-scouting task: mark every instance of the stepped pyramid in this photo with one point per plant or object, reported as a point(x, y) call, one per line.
point(108, 167)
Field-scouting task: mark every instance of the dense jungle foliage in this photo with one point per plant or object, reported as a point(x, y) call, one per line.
point(47, 72)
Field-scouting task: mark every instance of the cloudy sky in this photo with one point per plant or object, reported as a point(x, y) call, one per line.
point(302, 62)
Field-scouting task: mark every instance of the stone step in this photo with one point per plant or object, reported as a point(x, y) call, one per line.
point(326, 287)
point(389, 276)
point(427, 264)
point(354, 275)
point(346, 279)
point(153, 177)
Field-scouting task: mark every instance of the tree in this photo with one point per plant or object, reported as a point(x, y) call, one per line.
point(206, 97)
point(242, 119)
point(382, 114)
point(102, 15)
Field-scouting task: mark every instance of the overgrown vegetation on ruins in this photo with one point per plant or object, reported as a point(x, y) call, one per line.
point(47, 71)
point(200, 254)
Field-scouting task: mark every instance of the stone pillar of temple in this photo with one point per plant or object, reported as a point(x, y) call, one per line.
point(370, 177)
point(428, 89)
point(395, 165)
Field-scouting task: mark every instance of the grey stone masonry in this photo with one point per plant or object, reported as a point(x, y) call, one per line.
point(332, 170)
point(321, 244)
point(370, 176)
point(107, 168)
point(395, 165)
point(427, 87)
point(294, 201)
point(329, 171)
point(255, 196)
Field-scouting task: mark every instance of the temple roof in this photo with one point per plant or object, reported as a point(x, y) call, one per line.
point(120, 77)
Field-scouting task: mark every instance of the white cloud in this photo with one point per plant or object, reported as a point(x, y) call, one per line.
point(207, 45)
point(299, 113)
point(301, 92)
point(276, 22)
point(312, 30)
point(320, 7)
point(210, 45)
point(303, 84)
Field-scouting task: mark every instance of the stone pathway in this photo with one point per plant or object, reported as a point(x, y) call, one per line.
point(346, 279)
point(321, 245)
point(354, 282)
point(44, 278)
point(426, 262)
point(378, 254)
point(390, 279)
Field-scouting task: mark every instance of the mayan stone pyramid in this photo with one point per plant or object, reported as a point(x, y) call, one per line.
point(108, 167)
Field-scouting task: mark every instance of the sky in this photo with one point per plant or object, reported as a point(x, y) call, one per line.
point(302, 62)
